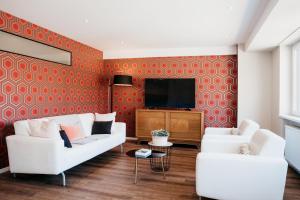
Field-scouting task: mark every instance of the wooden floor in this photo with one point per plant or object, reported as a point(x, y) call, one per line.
point(110, 176)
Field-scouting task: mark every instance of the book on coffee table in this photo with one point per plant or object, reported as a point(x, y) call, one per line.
point(143, 153)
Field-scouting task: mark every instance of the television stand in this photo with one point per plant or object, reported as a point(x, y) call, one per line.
point(185, 127)
point(188, 109)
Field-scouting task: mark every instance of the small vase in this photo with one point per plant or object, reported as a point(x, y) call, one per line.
point(160, 140)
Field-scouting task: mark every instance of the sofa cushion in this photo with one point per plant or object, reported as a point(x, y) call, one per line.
point(73, 132)
point(80, 153)
point(44, 128)
point(22, 128)
point(245, 149)
point(87, 120)
point(107, 117)
point(266, 143)
point(65, 138)
point(102, 127)
point(248, 127)
point(68, 120)
point(235, 131)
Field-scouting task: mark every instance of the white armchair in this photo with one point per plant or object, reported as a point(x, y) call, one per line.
point(245, 131)
point(223, 173)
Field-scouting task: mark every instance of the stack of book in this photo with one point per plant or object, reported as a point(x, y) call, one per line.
point(143, 153)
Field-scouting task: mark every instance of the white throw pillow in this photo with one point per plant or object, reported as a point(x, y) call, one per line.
point(243, 127)
point(44, 128)
point(69, 120)
point(106, 117)
point(245, 149)
point(235, 131)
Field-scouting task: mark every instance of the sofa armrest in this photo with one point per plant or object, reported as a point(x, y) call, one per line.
point(221, 146)
point(120, 129)
point(217, 131)
point(35, 155)
point(235, 176)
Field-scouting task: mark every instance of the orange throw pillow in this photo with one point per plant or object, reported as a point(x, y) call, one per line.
point(73, 132)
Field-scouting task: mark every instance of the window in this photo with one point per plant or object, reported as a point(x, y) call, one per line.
point(296, 80)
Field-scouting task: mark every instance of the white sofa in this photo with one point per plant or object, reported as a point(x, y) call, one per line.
point(223, 173)
point(36, 155)
point(245, 131)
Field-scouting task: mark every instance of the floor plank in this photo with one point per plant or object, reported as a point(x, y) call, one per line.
point(110, 176)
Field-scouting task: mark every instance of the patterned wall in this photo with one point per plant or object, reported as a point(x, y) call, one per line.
point(32, 88)
point(216, 85)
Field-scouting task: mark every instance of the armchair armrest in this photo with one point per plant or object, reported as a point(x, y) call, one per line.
point(35, 155)
point(236, 176)
point(221, 146)
point(218, 131)
point(228, 137)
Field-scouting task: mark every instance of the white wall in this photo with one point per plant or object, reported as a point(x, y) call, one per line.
point(276, 122)
point(285, 79)
point(255, 86)
point(282, 91)
point(282, 87)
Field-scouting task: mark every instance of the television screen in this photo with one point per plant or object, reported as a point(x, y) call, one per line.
point(172, 93)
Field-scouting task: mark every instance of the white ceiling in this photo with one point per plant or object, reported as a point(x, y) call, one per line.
point(278, 23)
point(116, 25)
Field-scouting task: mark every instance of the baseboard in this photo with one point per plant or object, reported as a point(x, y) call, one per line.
point(3, 170)
point(131, 138)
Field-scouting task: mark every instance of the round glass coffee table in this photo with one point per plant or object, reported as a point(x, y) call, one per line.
point(154, 154)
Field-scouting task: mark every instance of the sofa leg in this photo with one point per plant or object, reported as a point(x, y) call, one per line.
point(122, 148)
point(14, 175)
point(63, 179)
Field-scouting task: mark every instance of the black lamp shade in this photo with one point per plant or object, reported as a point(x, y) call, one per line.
point(123, 80)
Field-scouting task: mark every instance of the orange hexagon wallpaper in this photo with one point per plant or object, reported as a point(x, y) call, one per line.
point(32, 88)
point(216, 85)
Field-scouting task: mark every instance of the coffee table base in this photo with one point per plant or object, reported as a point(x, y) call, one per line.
point(136, 169)
point(155, 162)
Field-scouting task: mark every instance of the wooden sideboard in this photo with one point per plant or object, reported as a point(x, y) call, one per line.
point(184, 126)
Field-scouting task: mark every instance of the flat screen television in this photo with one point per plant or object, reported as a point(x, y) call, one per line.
point(170, 93)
